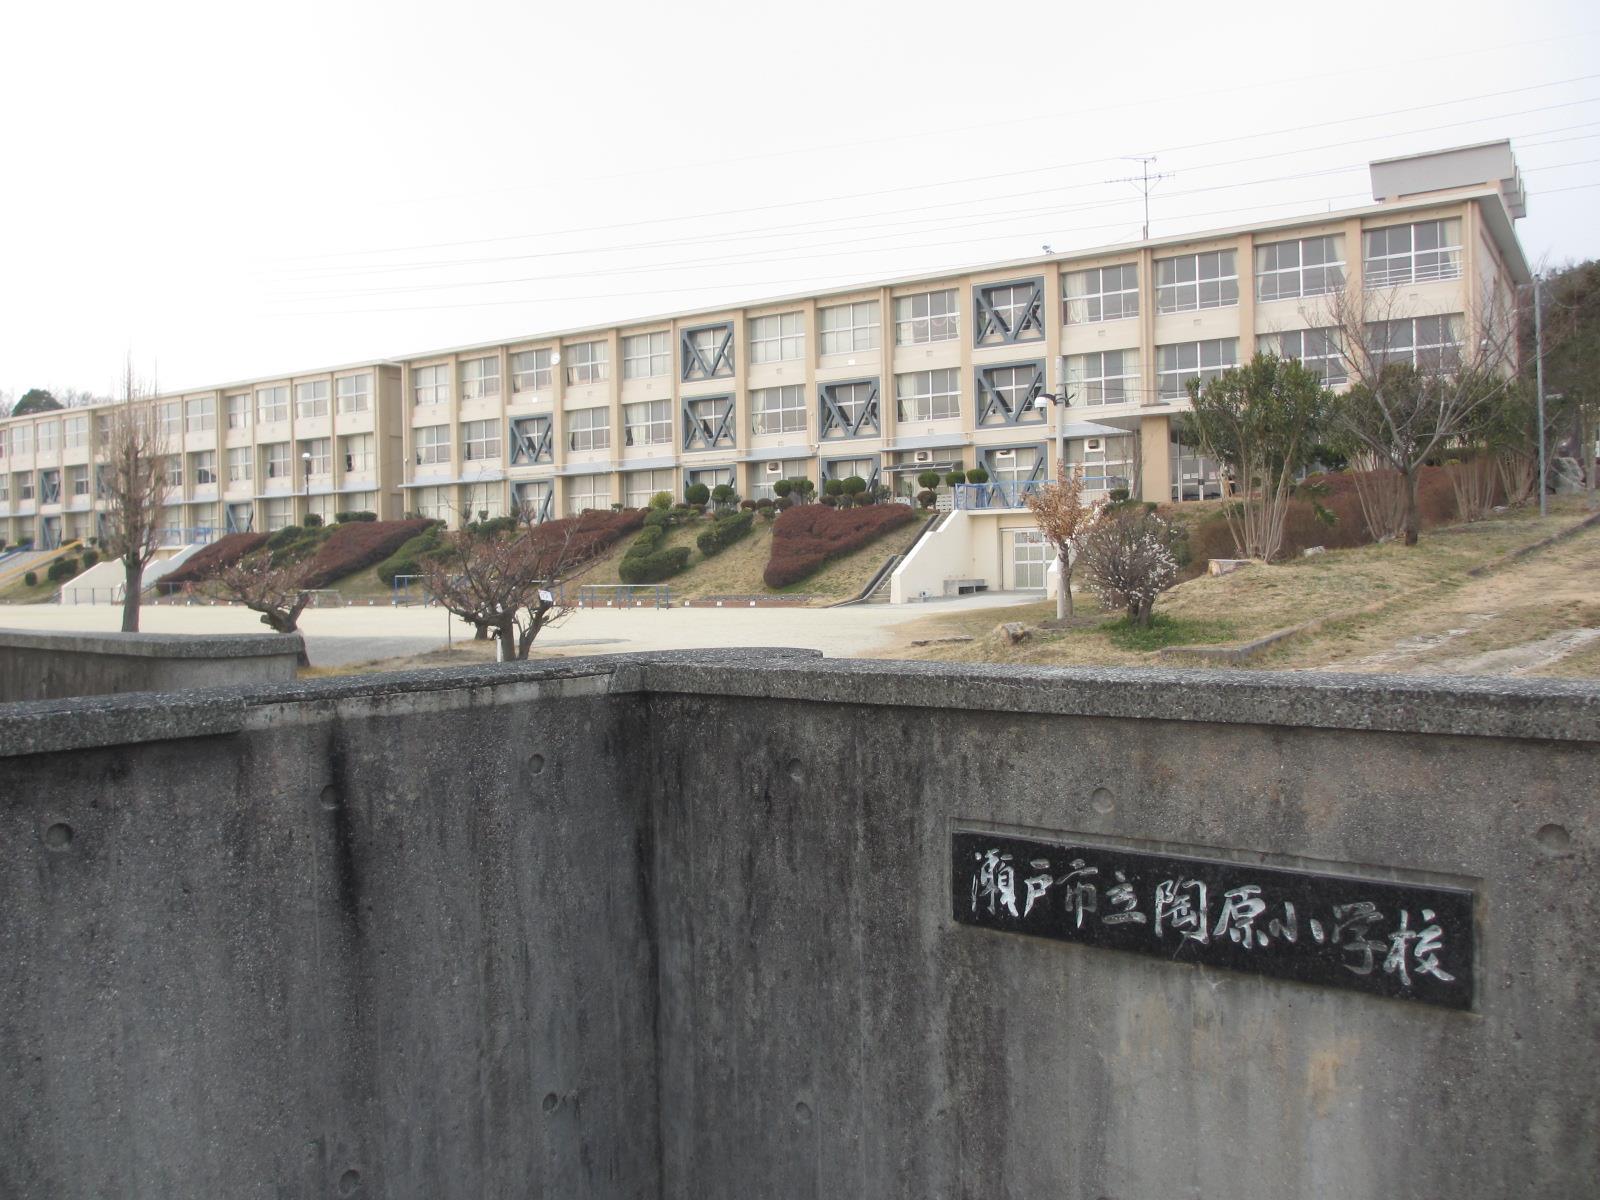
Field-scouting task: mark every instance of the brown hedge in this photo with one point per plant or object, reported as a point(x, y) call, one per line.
point(208, 560)
point(809, 535)
point(357, 545)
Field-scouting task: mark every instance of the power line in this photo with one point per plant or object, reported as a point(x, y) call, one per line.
point(985, 178)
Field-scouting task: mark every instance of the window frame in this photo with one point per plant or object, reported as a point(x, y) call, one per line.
point(1396, 275)
point(657, 361)
point(484, 381)
point(920, 329)
point(587, 363)
point(1332, 268)
point(1225, 281)
point(658, 423)
point(929, 398)
point(483, 433)
point(785, 339)
point(344, 398)
point(790, 417)
point(1094, 307)
point(540, 376)
point(864, 330)
point(1202, 370)
point(587, 431)
point(272, 404)
point(313, 398)
point(428, 448)
point(1084, 386)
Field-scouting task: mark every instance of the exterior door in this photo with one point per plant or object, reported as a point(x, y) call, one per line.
point(1030, 558)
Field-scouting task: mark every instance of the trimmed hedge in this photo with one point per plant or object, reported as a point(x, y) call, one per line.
point(724, 532)
point(653, 567)
point(807, 537)
point(408, 557)
point(357, 545)
point(62, 568)
point(223, 552)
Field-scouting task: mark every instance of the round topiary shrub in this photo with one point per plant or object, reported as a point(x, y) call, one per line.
point(31, 579)
point(955, 478)
point(90, 557)
point(1117, 495)
point(831, 501)
point(834, 487)
point(747, 505)
point(928, 480)
point(782, 488)
point(697, 494)
point(784, 503)
point(977, 475)
point(312, 521)
point(764, 502)
point(927, 497)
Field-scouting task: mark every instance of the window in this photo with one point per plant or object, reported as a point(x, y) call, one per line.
point(357, 451)
point(239, 465)
point(589, 429)
point(361, 502)
point(432, 502)
point(707, 422)
point(778, 410)
point(588, 362)
point(1309, 267)
point(1104, 377)
point(779, 338)
point(272, 404)
point(648, 424)
point(321, 452)
point(1427, 343)
point(78, 480)
point(430, 385)
point(5, 441)
point(485, 501)
point(847, 328)
point(48, 434)
point(532, 499)
point(239, 410)
point(24, 487)
point(275, 461)
point(172, 470)
point(22, 441)
point(926, 317)
point(843, 468)
point(928, 395)
point(708, 352)
point(1006, 394)
point(1101, 294)
point(761, 483)
point(1009, 312)
point(1418, 253)
point(640, 486)
point(530, 370)
point(311, 399)
point(203, 468)
point(355, 393)
point(1176, 365)
point(480, 377)
point(432, 444)
point(588, 491)
point(1317, 350)
point(850, 409)
point(170, 418)
point(530, 441)
point(1194, 281)
point(5, 489)
point(1013, 464)
point(646, 355)
point(76, 432)
point(479, 440)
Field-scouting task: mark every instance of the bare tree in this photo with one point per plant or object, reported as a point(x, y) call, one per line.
point(135, 488)
point(1063, 518)
point(509, 580)
point(1417, 382)
point(268, 583)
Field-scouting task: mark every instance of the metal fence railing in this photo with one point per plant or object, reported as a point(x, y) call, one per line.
point(624, 595)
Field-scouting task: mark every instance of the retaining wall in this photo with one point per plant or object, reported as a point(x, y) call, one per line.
point(696, 926)
point(48, 666)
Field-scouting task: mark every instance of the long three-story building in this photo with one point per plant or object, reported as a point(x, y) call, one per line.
point(884, 381)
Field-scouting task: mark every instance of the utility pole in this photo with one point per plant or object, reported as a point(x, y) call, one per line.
point(1538, 376)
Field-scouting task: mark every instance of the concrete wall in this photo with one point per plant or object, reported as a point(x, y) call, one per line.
point(47, 666)
point(680, 925)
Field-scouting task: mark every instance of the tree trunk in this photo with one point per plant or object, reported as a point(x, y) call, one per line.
point(1063, 587)
point(1413, 510)
point(132, 587)
point(480, 631)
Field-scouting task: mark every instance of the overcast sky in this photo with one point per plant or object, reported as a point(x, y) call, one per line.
point(228, 191)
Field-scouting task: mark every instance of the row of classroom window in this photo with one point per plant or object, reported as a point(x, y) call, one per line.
point(1005, 313)
point(1104, 378)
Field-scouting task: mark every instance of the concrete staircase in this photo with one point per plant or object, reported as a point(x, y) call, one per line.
point(880, 591)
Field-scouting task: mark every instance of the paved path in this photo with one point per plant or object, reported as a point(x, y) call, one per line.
point(336, 636)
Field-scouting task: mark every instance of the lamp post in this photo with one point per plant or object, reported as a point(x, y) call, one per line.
point(1062, 400)
point(305, 457)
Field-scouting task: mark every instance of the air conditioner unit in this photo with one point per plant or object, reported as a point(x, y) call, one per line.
point(1005, 454)
point(1092, 444)
point(922, 456)
point(775, 468)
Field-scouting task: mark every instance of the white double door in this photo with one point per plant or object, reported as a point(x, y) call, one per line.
point(1028, 561)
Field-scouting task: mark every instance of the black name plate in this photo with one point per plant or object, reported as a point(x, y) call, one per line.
point(1389, 939)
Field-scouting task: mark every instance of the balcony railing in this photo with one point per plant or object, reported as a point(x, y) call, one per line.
point(1014, 493)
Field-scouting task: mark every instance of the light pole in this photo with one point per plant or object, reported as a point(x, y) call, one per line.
point(1061, 399)
point(1538, 375)
point(305, 457)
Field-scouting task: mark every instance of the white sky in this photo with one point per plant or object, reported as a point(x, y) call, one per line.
point(228, 195)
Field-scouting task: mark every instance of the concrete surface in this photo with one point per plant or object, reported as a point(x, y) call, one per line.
point(339, 636)
point(50, 664)
point(680, 926)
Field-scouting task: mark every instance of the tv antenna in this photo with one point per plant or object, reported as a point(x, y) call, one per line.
point(1145, 182)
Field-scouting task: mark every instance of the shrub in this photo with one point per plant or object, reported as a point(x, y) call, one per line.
point(804, 488)
point(977, 475)
point(768, 514)
point(409, 557)
point(346, 517)
point(955, 478)
point(724, 533)
point(697, 493)
point(747, 505)
point(928, 480)
point(1128, 559)
point(657, 517)
point(854, 485)
point(358, 545)
point(654, 567)
point(782, 488)
point(286, 536)
point(62, 568)
point(807, 537)
point(31, 579)
point(312, 521)
point(660, 502)
point(834, 487)
point(784, 503)
point(90, 557)
point(223, 552)
point(830, 501)
point(1117, 495)
point(927, 497)
point(764, 503)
